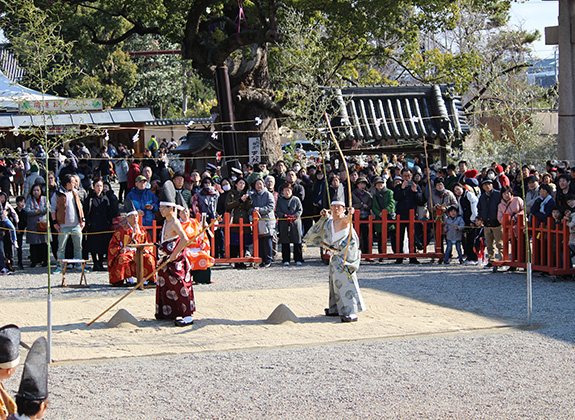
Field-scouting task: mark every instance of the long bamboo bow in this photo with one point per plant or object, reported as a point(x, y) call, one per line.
point(188, 243)
point(348, 183)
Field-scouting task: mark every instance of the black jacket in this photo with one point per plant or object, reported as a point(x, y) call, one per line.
point(487, 208)
point(406, 199)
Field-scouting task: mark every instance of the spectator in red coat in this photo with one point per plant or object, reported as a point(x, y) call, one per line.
point(501, 177)
point(133, 173)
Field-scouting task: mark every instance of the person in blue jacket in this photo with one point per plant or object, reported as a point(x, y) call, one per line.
point(144, 200)
point(544, 204)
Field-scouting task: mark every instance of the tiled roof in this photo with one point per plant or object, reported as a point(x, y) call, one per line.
point(399, 113)
point(110, 117)
point(180, 121)
point(9, 65)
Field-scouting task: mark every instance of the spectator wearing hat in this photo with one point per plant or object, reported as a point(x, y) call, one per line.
point(144, 200)
point(32, 395)
point(235, 175)
point(492, 175)
point(257, 173)
point(408, 196)
point(362, 201)
point(501, 177)
point(383, 200)
point(487, 217)
point(9, 361)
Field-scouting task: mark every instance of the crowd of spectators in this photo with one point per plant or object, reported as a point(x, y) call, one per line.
point(288, 199)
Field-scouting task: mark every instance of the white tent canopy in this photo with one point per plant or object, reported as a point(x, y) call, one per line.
point(12, 93)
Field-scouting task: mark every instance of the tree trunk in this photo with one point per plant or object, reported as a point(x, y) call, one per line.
point(252, 99)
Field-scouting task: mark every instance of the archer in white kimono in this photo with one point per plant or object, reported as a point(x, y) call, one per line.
point(332, 232)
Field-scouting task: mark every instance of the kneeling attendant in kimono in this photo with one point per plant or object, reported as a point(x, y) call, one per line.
point(332, 232)
point(121, 257)
point(174, 294)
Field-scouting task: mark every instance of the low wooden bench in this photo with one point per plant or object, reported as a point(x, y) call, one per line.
point(64, 266)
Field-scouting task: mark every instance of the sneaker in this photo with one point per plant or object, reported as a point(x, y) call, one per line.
point(286, 263)
point(131, 281)
point(267, 265)
point(4, 271)
point(57, 271)
point(299, 263)
point(472, 262)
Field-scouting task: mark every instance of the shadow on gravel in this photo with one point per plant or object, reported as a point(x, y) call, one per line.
point(159, 323)
point(204, 322)
point(500, 295)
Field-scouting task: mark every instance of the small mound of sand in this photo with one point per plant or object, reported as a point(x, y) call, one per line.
point(121, 319)
point(282, 314)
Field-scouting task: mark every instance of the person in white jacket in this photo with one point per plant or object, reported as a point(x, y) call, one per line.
point(467, 202)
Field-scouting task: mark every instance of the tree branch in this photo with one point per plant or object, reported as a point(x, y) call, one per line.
point(136, 29)
point(470, 104)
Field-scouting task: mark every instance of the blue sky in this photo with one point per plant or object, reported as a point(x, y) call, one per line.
point(536, 14)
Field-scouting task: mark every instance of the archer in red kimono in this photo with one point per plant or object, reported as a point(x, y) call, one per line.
point(121, 258)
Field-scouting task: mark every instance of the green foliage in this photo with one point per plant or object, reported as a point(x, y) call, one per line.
point(37, 43)
point(110, 78)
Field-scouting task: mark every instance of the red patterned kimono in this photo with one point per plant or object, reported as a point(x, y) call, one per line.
point(174, 293)
point(198, 253)
point(121, 258)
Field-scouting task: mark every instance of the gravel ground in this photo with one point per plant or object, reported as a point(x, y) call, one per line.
point(507, 374)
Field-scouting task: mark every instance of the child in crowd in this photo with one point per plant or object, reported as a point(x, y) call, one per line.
point(10, 221)
point(557, 218)
point(22, 222)
point(453, 233)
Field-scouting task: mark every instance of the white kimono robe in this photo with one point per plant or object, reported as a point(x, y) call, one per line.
point(344, 295)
